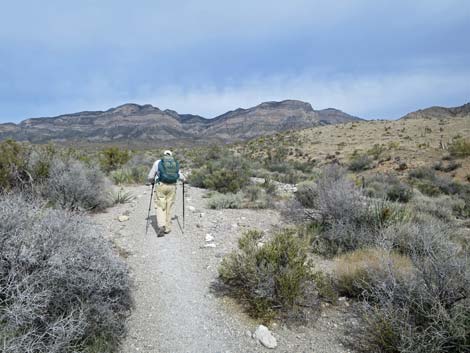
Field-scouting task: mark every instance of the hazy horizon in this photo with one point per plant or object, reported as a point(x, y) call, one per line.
point(374, 60)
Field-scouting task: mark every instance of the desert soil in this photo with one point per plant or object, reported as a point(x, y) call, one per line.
point(175, 308)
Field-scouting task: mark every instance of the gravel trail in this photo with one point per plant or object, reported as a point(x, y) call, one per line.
point(175, 310)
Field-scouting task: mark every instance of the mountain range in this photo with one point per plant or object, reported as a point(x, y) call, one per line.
point(146, 123)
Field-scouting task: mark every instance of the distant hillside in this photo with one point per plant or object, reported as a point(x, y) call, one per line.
point(145, 123)
point(440, 112)
point(392, 146)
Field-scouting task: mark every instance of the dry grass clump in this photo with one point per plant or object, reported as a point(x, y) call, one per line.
point(62, 289)
point(358, 269)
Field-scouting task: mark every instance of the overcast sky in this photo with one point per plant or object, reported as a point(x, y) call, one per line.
point(370, 58)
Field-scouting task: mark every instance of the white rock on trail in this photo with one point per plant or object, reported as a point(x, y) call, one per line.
point(210, 245)
point(265, 336)
point(192, 208)
point(123, 218)
point(209, 237)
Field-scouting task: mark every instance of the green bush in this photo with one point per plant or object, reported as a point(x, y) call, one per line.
point(13, 165)
point(460, 148)
point(226, 173)
point(360, 163)
point(112, 158)
point(272, 277)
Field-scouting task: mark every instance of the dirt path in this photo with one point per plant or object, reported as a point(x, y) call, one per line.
point(175, 310)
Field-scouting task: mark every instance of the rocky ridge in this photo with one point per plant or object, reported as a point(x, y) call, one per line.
point(133, 122)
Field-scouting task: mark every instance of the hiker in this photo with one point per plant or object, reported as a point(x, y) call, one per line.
point(165, 172)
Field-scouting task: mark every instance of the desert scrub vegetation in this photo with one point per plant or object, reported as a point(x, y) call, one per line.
point(219, 201)
point(62, 289)
point(252, 196)
point(134, 171)
point(460, 148)
point(361, 268)
point(272, 278)
point(346, 218)
point(74, 186)
point(429, 183)
point(388, 187)
point(220, 170)
point(112, 158)
point(403, 263)
point(427, 311)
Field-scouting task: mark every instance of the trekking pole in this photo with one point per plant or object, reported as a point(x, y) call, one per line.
point(183, 204)
point(150, 206)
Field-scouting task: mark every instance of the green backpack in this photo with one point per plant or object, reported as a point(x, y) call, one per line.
point(168, 170)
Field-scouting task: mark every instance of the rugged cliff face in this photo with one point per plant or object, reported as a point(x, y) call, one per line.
point(440, 112)
point(148, 123)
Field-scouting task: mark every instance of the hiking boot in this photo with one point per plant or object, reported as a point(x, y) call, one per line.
point(167, 231)
point(161, 232)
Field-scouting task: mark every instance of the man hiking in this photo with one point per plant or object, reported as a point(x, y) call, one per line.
point(165, 173)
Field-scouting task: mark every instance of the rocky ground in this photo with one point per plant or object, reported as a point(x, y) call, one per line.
point(175, 308)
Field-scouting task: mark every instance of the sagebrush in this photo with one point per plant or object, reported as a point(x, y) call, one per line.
point(62, 289)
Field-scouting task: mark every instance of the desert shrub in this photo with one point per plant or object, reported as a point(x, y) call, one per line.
point(422, 173)
point(219, 201)
point(359, 163)
point(460, 148)
point(112, 158)
point(432, 185)
point(122, 176)
point(449, 167)
point(376, 151)
point(74, 186)
point(306, 194)
point(271, 277)
point(134, 171)
point(426, 312)
point(256, 196)
point(443, 207)
point(348, 219)
point(13, 165)
point(361, 268)
point(62, 289)
point(226, 173)
point(388, 187)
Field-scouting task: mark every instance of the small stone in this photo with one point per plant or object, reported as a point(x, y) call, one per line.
point(260, 244)
point(210, 245)
point(234, 225)
point(123, 218)
point(248, 333)
point(201, 214)
point(265, 336)
point(209, 237)
point(192, 208)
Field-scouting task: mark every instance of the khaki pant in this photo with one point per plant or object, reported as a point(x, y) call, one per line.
point(164, 200)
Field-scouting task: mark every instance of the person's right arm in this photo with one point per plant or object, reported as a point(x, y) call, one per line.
point(153, 173)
